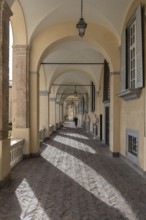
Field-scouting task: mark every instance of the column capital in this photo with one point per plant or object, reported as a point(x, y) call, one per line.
point(116, 73)
point(34, 73)
point(58, 102)
point(44, 93)
point(21, 47)
point(52, 99)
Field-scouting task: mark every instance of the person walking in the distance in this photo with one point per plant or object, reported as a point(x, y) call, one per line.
point(76, 121)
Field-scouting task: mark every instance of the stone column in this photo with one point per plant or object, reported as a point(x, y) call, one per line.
point(61, 112)
point(52, 106)
point(44, 111)
point(114, 113)
point(34, 114)
point(58, 113)
point(5, 13)
point(21, 115)
point(145, 99)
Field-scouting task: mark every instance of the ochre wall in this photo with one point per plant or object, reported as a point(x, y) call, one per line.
point(132, 114)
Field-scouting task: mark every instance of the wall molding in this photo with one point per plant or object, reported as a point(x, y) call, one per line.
point(114, 74)
point(43, 93)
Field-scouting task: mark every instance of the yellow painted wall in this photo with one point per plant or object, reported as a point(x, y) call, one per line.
point(132, 117)
point(132, 114)
point(100, 106)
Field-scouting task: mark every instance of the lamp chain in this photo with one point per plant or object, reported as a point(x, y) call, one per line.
point(81, 8)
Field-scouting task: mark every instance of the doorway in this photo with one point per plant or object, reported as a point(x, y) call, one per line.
point(107, 125)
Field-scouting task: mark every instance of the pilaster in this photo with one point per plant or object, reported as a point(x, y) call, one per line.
point(21, 94)
point(44, 111)
point(114, 113)
point(52, 105)
point(34, 114)
point(61, 112)
point(58, 113)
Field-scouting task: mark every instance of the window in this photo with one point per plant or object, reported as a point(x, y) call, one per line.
point(132, 145)
point(92, 97)
point(132, 138)
point(132, 57)
point(106, 83)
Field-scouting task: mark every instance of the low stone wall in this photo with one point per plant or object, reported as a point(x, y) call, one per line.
point(16, 152)
point(51, 129)
point(42, 134)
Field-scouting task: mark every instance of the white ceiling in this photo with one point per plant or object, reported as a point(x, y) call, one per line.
point(42, 13)
point(39, 14)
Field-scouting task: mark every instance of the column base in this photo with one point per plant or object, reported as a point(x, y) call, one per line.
point(5, 180)
point(23, 133)
point(35, 154)
point(28, 156)
point(116, 154)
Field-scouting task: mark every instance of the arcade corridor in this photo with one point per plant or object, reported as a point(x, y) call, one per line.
point(76, 178)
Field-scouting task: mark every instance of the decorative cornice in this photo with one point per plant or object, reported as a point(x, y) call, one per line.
point(130, 94)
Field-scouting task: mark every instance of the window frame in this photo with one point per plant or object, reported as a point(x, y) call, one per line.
point(131, 155)
point(129, 92)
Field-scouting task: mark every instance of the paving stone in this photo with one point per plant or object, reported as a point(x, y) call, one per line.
point(76, 178)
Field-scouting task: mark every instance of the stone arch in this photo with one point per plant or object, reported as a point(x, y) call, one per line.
point(18, 25)
point(132, 7)
point(57, 74)
point(98, 36)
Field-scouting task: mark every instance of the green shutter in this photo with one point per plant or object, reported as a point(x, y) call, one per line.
point(123, 62)
point(92, 97)
point(139, 51)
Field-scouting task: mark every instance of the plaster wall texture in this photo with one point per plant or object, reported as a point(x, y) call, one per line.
point(132, 112)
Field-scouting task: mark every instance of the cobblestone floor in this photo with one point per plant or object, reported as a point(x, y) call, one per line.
point(76, 178)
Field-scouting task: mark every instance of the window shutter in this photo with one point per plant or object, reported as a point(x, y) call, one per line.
point(92, 97)
point(93, 91)
point(106, 82)
point(123, 62)
point(139, 53)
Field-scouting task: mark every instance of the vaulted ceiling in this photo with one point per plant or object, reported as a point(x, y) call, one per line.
point(42, 14)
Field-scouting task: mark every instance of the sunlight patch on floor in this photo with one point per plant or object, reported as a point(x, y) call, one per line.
point(84, 175)
point(74, 135)
point(75, 144)
point(28, 202)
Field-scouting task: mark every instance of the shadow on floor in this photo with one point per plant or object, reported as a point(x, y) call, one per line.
point(46, 188)
point(131, 185)
point(45, 192)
